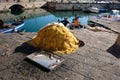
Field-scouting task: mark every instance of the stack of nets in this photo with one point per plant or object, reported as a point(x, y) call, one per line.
point(55, 38)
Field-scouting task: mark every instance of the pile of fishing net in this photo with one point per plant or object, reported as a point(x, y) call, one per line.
point(55, 37)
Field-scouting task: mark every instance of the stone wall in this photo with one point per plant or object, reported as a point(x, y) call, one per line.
point(114, 5)
point(6, 17)
point(6, 5)
point(81, 6)
point(20, 0)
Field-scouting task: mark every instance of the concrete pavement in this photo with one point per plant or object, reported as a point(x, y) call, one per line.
point(96, 60)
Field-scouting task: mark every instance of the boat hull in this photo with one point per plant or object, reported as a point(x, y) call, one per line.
point(102, 10)
point(93, 9)
point(12, 29)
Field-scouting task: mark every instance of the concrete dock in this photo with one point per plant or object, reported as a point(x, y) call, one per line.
point(113, 25)
point(98, 59)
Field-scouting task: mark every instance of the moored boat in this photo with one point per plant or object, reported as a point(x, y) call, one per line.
point(93, 9)
point(115, 12)
point(16, 26)
point(110, 17)
point(102, 10)
point(97, 10)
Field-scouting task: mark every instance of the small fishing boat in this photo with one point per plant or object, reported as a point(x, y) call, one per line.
point(97, 10)
point(115, 12)
point(15, 26)
point(110, 17)
point(103, 10)
point(93, 9)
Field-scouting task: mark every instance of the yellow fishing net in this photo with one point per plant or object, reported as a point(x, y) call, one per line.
point(55, 38)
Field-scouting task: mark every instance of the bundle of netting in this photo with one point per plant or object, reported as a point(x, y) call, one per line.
point(55, 37)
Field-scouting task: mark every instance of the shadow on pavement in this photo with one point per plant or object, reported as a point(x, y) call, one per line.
point(37, 65)
point(26, 48)
point(114, 50)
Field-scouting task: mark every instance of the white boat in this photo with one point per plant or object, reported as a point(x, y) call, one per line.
point(115, 12)
point(15, 26)
point(93, 9)
point(112, 17)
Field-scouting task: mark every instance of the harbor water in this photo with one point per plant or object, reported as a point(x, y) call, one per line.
point(37, 18)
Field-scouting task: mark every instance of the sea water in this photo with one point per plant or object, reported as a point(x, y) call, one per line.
point(35, 19)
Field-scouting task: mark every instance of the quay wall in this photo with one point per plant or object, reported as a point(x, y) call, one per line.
point(5, 6)
point(7, 17)
point(81, 6)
